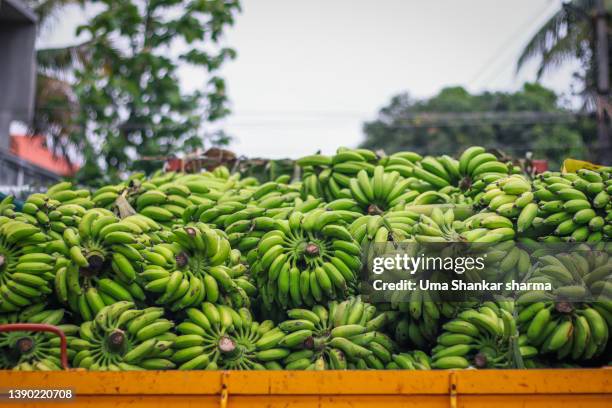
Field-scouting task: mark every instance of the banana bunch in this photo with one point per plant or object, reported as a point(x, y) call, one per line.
point(574, 207)
point(106, 196)
point(567, 330)
point(329, 177)
point(167, 203)
point(53, 218)
point(7, 206)
point(40, 351)
point(435, 178)
point(219, 337)
point(382, 191)
point(477, 168)
point(61, 207)
point(165, 198)
point(121, 338)
point(307, 259)
point(340, 336)
point(395, 226)
point(471, 173)
point(273, 196)
point(511, 197)
point(412, 360)
point(65, 193)
point(234, 212)
point(442, 226)
point(25, 268)
point(402, 162)
point(438, 227)
point(215, 212)
point(481, 337)
point(238, 206)
point(445, 195)
point(504, 262)
point(574, 319)
point(101, 259)
point(579, 273)
point(195, 265)
point(420, 316)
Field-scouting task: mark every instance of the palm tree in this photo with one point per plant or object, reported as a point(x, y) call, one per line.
point(568, 34)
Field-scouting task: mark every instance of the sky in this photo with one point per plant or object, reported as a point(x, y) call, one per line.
point(309, 73)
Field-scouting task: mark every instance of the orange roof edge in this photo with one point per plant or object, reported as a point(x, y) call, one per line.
point(33, 150)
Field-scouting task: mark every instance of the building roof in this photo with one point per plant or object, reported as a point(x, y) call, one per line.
point(16, 11)
point(33, 150)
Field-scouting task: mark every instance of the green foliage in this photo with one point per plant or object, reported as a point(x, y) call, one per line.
point(131, 102)
point(454, 119)
point(568, 35)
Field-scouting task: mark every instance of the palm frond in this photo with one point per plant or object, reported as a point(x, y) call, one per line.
point(569, 22)
point(564, 49)
point(540, 42)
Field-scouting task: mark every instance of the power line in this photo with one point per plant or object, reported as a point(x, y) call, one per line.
point(506, 45)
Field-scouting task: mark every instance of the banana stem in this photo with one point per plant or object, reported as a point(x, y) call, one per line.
point(564, 307)
point(312, 249)
point(374, 209)
point(182, 260)
point(25, 344)
point(227, 345)
point(480, 360)
point(116, 339)
point(95, 261)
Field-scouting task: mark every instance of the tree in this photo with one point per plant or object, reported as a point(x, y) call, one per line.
point(131, 104)
point(568, 34)
point(528, 120)
point(55, 101)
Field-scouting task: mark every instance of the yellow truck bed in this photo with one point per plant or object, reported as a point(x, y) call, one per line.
point(565, 388)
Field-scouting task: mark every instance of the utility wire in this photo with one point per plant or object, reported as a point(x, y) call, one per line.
point(507, 45)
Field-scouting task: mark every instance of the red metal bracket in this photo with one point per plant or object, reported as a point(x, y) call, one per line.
point(40, 327)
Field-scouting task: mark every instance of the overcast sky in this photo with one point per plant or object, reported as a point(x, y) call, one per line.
point(310, 72)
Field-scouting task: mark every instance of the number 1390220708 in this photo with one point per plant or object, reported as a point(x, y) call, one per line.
point(36, 394)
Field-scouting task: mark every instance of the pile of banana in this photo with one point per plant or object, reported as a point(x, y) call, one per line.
point(574, 320)
point(219, 337)
point(574, 207)
point(98, 261)
point(342, 335)
point(219, 270)
point(195, 264)
point(483, 227)
point(309, 258)
point(25, 270)
point(25, 351)
point(480, 337)
point(121, 337)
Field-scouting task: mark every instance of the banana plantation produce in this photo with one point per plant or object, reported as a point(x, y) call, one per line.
point(122, 337)
point(220, 271)
point(193, 266)
point(342, 335)
point(101, 257)
point(481, 337)
point(219, 337)
point(307, 259)
point(25, 268)
point(571, 330)
point(26, 351)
